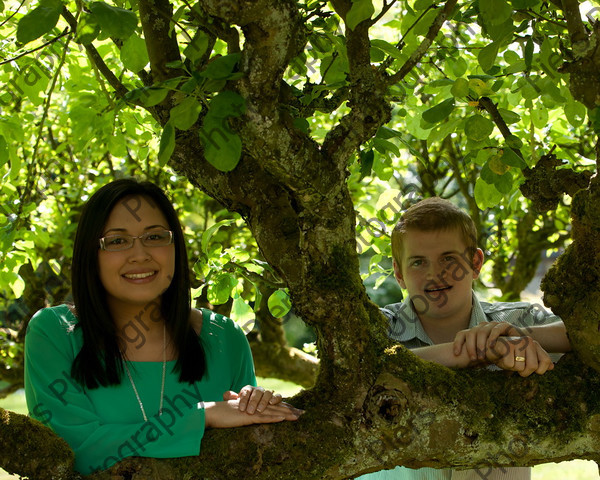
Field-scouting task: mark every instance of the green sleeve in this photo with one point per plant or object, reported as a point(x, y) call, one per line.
point(237, 361)
point(245, 365)
point(54, 398)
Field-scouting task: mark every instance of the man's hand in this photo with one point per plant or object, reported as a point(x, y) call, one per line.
point(506, 346)
point(483, 336)
point(520, 354)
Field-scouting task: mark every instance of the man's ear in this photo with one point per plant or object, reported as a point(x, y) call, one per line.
point(477, 262)
point(398, 275)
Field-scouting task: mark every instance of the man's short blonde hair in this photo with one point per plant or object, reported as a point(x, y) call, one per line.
point(434, 214)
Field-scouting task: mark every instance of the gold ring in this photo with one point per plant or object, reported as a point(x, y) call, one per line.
point(519, 359)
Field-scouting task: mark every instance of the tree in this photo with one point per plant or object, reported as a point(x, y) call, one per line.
point(288, 113)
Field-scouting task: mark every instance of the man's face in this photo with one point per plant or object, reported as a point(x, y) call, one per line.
point(438, 273)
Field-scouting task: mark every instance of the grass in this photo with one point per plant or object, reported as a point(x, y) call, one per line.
point(571, 470)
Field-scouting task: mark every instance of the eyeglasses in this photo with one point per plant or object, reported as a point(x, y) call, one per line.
point(116, 243)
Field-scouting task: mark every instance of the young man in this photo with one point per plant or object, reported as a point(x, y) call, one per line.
point(436, 259)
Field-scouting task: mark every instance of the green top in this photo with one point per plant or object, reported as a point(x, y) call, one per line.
point(104, 425)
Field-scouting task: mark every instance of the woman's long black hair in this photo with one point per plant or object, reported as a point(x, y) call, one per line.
point(100, 361)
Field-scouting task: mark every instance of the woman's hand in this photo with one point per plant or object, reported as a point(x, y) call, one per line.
point(253, 399)
point(227, 414)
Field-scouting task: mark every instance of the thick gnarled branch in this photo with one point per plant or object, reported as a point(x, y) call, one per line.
point(414, 413)
point(546, 184)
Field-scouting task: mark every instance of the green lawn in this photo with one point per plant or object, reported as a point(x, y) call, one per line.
point(573, 470)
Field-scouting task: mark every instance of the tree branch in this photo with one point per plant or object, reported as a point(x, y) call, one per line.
point(216, 27)
point(584, 82)
point(545, 184)
point(412, 413)
point(32, 450)
point(575, 25)
point(93, 54)
point(418, 54)
point(369, 107)
point(161, 42)
point(279, 361)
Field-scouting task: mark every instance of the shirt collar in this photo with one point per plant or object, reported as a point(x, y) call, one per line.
point(411, 328)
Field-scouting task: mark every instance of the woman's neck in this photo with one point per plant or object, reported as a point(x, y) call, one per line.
point(140, 329)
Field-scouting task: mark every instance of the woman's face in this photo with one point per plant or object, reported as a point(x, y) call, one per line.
point(140, 274)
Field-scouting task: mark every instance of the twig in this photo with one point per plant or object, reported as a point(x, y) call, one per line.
point(425, 44)
point(13, 14)
point(49, 42)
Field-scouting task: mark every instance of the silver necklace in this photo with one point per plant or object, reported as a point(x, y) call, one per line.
point(162, 386)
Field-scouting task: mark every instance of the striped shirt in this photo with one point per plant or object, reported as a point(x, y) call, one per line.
point(406, 328)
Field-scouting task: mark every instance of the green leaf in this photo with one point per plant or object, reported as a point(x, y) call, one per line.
point(87, 29)
point(442, 130)
point(504, 183)
point(197, 47)
point(528, 53)
point(114, 21)
point(302, 125)
point(210, 231)
point(221, 68)
point(479, 87)
point(423, 4)
point(524, 4)
point(220, 289)
point(539, 116)
point(487, 56)
point(484, 155)
point(439, 112)
point(486, 195)
point(242, 314)
point(460, 87)
point(227, 104)
point(487, 174)
point(184, 115)
point(575, 113)
point(360, 10)
point(17, 285)
point(334, 69)
point(167, 144)
point(594, 116)
point(497, 166)
point(386, 47)
point(494, 12)
point(134, 54)
point(222, 147)
point(3, 150)
point(458, 65)
point(510, 157)
point(514, 142)
point(366, 163)
point(279, 303)
point(478, 128)
point(39, 21)
point(148, 96)
point(508, 116)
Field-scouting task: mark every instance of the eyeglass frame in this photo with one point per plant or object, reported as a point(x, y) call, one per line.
point(133, 238)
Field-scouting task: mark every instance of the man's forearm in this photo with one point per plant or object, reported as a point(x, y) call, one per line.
point(443, 354)
point(552, 337)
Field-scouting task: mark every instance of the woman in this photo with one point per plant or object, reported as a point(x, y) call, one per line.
point(131, 369)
